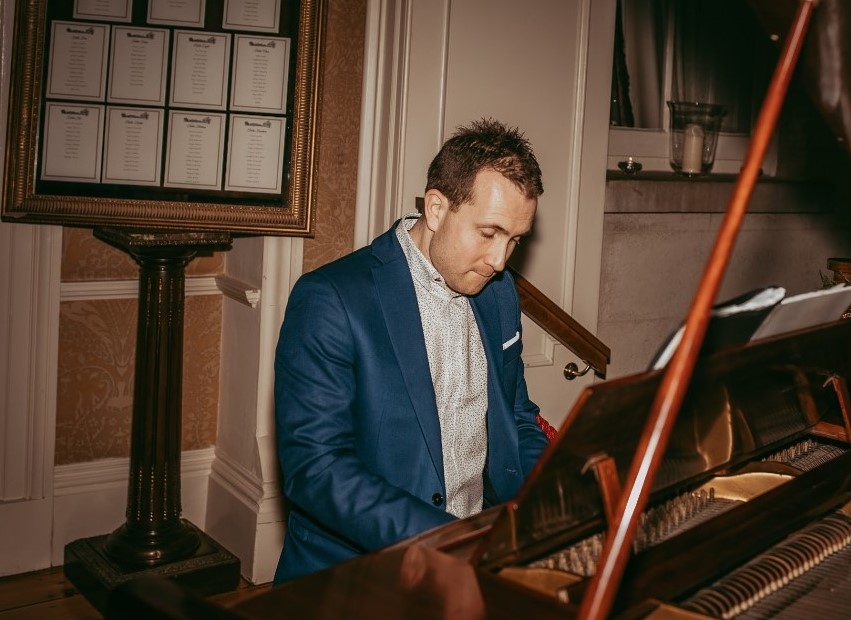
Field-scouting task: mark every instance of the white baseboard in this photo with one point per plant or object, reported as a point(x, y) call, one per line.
point(245, 515)
point(21, 549)
point(90, 499)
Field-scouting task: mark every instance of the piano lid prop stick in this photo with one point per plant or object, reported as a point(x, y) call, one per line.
point(844, 398)
point(599, 597)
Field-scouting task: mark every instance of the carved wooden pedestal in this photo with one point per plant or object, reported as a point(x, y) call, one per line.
point(154, 539)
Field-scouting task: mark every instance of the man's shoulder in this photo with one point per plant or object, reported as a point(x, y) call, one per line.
point(502, 284)
point(361, 261)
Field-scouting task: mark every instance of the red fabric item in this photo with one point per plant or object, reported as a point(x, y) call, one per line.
point(549, 430)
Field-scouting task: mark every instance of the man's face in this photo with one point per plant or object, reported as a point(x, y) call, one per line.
point(472, 243)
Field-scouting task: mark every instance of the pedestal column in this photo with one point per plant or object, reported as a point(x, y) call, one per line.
point(154, 538)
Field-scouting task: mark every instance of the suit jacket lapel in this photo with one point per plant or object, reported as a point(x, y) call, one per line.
point(398, 301)
point(501, 425)
point(486, 311)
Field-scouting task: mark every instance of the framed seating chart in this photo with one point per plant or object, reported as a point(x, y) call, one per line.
point(172, 114)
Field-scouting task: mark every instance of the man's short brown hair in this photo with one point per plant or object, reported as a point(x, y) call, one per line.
point(485, 144)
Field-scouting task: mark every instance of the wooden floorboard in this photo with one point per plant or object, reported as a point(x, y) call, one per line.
point(70, 608)
point(43, 594)
point(32, 588)
point(48, 594)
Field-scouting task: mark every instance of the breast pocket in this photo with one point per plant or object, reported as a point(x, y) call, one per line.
point(511, 349)
point(511, 365)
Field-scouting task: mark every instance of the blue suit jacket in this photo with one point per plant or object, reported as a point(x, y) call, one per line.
point(357, 426)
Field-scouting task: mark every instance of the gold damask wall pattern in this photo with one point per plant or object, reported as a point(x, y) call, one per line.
point(86, 258)
point(97, 348)
point(95, 379)
point(338, 138)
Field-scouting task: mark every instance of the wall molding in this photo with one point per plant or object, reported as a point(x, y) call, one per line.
point(90, 499)
point(543, 354)
point(29, 343)
point(241, 483)
point(94, 476)
point(238, 290)
point(245, 514)
point(129, 289)
point(244, 506)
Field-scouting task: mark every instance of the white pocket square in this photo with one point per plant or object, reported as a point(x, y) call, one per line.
point(511, 341)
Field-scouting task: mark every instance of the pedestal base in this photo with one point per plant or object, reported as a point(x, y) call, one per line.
point(210, 570)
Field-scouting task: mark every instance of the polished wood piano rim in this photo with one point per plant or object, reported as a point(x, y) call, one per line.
point(481, 567)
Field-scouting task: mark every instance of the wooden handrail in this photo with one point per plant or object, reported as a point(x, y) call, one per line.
point(599, 598)
point(561, 326)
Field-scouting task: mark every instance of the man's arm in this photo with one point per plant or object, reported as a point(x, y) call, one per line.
point(317, 409)
point(532, 440)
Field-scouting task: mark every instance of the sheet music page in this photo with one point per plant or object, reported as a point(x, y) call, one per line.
point(750, 305)
point(805, 310)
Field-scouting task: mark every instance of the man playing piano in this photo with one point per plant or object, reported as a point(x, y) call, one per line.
point(400, 398)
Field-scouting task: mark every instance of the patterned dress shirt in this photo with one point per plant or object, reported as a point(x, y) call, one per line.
point(458, 366)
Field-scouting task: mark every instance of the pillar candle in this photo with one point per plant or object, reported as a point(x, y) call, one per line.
point(693, 149)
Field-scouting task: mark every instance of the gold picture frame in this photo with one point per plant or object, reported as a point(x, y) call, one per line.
point(31, 197)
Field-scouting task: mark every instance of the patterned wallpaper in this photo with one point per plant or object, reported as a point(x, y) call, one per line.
point(97, 348)
point(97, 337)
point(86, 258)
point(338, 135)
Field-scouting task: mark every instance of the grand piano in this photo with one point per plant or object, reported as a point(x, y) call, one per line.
point(749, 514)
point(717, 486)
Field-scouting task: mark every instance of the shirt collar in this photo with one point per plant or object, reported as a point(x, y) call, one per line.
point(421, 268)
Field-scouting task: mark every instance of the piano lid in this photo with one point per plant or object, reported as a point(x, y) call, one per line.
point(743, 401)
point(625, 507)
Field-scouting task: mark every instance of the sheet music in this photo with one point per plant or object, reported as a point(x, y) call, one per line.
point(753, 303)
point(805, 310)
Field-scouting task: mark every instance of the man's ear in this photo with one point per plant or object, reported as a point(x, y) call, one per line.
point(435, 206)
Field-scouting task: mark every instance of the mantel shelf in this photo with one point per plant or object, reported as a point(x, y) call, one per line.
point(667, 192)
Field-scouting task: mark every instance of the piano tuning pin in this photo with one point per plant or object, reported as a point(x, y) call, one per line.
point(642, 533)
point(590, 567)
point(682, 511)
point(692, 505)
point(576, 564)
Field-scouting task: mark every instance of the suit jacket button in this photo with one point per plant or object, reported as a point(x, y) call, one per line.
point(437, 499)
